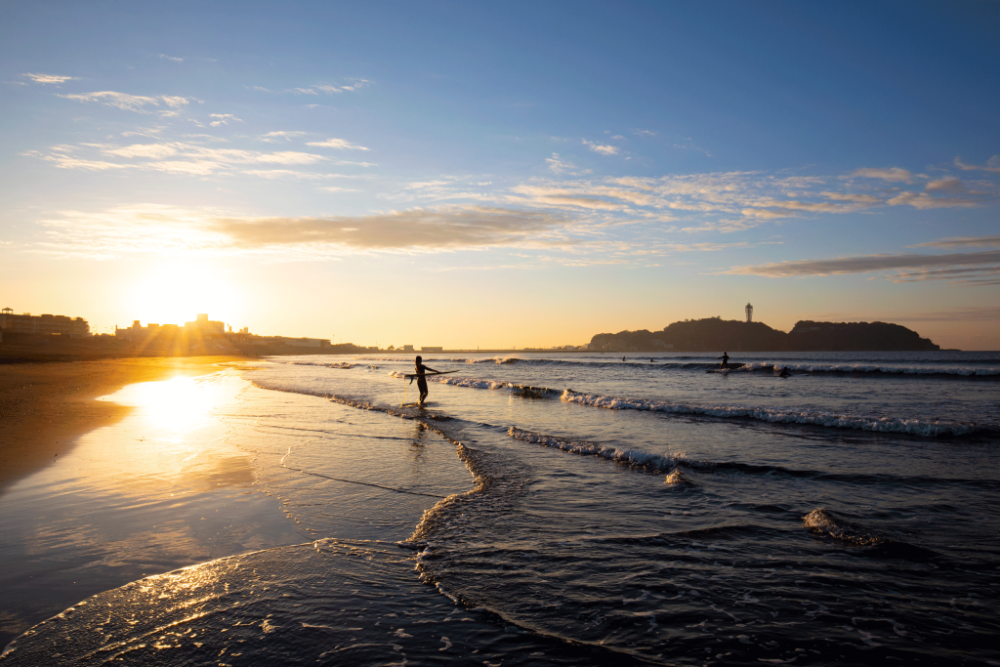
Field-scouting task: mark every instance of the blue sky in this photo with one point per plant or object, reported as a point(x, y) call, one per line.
point(510, 174)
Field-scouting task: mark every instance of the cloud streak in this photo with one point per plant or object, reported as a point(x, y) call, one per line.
point(603, 149)
point(868, 264)
point(48, 78)
point(164, 229)
point(126, 102)
point(341, 144)
point(893, 175)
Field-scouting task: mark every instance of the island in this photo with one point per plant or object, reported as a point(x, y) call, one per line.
point(714, 333)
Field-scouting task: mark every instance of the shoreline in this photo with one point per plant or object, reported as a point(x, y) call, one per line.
point(46, 407)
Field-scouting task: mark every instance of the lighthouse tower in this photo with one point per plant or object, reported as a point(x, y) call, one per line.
point(749, 310)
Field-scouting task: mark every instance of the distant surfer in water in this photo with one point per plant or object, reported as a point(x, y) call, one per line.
point(623, 358)
point(421, 379)
point(785, 372)
point(725, 360)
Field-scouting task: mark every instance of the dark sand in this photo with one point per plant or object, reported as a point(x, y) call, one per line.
point(45, 407)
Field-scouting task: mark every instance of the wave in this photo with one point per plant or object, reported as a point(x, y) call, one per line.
point(525, 391)
point(824, 522)
point(922, 427)
point(874, 367)
point(340, 364)
point(869, 369)
point(630, 457)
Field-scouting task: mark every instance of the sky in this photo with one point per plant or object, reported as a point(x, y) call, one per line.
point(502, 174)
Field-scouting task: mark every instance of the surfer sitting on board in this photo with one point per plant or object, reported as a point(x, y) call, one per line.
point(421, 379)
point(725, 360)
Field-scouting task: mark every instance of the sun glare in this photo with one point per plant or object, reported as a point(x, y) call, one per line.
point(175, 293)
point(171, 407)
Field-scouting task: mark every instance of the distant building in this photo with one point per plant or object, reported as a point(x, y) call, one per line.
point(204, 325)
point(407, 348)
point(428, 348)
point(43, 324)
point(201, 325)
point(749, 312)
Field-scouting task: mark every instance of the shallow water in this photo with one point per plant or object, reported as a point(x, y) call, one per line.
point(600, 512)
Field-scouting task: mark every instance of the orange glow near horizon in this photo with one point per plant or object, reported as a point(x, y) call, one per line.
point(174, 293)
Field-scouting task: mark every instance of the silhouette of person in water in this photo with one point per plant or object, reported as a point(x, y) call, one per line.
point(421, 379)
point(623, 358)
point(784, 372)
point(725, 360)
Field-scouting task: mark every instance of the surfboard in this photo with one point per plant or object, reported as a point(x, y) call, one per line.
point(427, 375)
point(416, 405)
point(720, 370)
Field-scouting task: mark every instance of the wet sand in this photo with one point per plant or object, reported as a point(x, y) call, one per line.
point(122, 471)
point(45, 407)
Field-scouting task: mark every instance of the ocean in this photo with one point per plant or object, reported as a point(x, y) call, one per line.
point(582, 509)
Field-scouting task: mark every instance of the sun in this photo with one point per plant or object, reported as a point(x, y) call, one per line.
point(174, 293)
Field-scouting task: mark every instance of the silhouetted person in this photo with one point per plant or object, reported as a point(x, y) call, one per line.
point(623, 358)
point(421, 378)
point(784, 372)
point(725, 360)
point(651, 361)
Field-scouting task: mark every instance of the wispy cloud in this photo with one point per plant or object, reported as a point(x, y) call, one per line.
point(893, 175)
point(49, 78)
point(126, 102)
point(644, 133)
point(993, 164)
point(873, 263)
point(271, 137)
point(603, 149)
point(341, 144)
point(171, 58)
point(165, 229)
point(974, 276)
point(178, 157)
point(561, 166)
point(923, 201)
point(329, 89)
point(962, 241)
point(223, 119)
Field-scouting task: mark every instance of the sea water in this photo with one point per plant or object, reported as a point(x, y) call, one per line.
point(583, 509)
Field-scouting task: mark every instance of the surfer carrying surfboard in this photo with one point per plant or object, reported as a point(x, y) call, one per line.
point(422, 379)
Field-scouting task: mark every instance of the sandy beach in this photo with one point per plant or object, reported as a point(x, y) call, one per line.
point(45, 407)
point(114, 470)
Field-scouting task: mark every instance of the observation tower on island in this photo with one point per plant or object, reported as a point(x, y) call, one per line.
point(749, 310)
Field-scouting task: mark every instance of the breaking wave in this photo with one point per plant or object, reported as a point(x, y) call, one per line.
point(870, 369)
point(525, 391)
point(922, 427)
point(630, 457)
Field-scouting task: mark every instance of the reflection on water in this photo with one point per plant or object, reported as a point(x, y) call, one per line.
point(159, 490)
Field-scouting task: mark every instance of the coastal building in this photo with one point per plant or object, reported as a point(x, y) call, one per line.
point(204, 325)
point(47, 324)
point(201, 326)
point(428, 348)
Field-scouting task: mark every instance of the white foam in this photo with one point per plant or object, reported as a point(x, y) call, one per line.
point(964, 371)
point(782, 415)
point(632, 457)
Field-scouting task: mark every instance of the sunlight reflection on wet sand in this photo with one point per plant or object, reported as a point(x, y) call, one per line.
point(159, 490)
